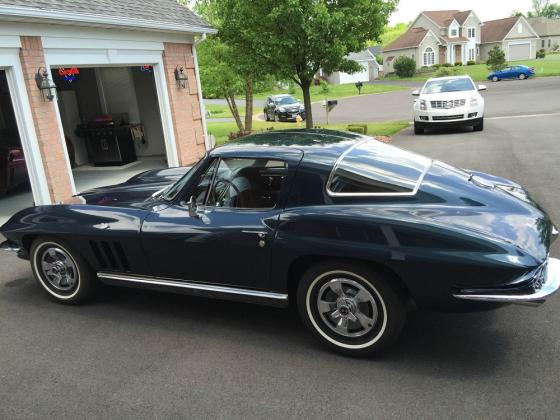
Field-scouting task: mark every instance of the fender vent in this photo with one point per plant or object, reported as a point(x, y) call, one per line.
point(110, 255)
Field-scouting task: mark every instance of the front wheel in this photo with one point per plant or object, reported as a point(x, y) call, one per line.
point(61, 271)
point(522, 76)
point(495, 79)
point(350, 308)
point(266, 117)
point(418, 129)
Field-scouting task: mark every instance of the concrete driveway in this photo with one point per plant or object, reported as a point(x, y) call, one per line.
point(532, 96)
point(135, 354)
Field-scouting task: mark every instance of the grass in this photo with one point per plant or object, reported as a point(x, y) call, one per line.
point(222, 111)
point(221, 130)
point(335, 91)
point(549, 66)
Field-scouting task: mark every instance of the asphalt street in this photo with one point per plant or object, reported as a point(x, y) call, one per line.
point(137, 354)
point(515, 97)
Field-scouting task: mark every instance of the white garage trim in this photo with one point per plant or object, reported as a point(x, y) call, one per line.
point(9, 61)
point(510, 43)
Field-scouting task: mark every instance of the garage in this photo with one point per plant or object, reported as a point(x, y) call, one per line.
point(519, 51)
point(111, 122)
point(361, 76)
point(15, 192)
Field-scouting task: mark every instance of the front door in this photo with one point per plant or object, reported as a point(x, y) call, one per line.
point(228, 240)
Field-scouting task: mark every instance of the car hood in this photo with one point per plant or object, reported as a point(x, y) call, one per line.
point(136, 190)
point(467, 95)
point(491, 206)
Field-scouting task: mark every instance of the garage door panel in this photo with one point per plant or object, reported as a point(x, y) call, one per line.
point(519, 51)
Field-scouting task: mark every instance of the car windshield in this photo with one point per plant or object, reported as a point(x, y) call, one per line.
point(171, 192)
point(448, 85)
point(286, 100)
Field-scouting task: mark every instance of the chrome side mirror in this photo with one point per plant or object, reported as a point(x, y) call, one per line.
point(416, 92)
point(192, 206)
point(481, 87)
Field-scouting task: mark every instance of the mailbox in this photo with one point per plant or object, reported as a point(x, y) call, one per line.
point(331, 104)
point(359, 86)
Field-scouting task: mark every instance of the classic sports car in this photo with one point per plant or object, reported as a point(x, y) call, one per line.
point(353, 231)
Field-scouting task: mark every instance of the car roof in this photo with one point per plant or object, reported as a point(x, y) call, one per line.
point(283, 95)
point(292, 141)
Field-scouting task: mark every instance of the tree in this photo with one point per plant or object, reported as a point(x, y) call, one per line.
point(293, 39)
point(496, 59)
point(552, 11)
point(390, 33)
point(405, 66)
point(544, 8)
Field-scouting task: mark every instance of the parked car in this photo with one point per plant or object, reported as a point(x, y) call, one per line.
point(448, 101)
point(512, 72)
point(13, 171)
point(283, 108)
point(352, 231)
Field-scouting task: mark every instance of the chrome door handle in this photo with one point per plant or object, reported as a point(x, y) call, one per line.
point(260, 234)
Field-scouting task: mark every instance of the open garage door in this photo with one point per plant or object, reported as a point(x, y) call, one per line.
point(519, 51)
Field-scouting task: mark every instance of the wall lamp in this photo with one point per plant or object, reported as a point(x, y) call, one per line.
point(181, 78)
point(45, 85)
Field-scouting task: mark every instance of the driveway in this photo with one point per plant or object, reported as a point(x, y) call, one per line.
point(533, 96)
point(136, 354)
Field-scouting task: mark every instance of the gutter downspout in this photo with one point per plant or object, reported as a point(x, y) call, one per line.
point(200, 99)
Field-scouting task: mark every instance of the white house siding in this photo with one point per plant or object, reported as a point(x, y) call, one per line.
point(424, 22)
point(429, 41)
point(361, 76)
point(472, 22)
point(388, 66)
point(549, 46)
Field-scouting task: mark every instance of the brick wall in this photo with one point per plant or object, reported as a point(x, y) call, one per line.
point(51, 144)
point(185, 107)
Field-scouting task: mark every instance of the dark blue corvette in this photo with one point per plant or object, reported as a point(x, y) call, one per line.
point(352, 231)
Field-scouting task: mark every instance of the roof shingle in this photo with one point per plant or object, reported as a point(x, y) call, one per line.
point(163, 11)
point(410, 39)
point(496, 30)
point(445, 17)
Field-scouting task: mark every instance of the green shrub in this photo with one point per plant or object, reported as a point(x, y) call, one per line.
point(447, 71)
point(324, 87)
point(405, 66)
point(458, 63)
point(471, 63)
point(541, 53)
point(496, 59)
point(357, 128)
point(436, 66)
point(447, 65)
point(379, 58)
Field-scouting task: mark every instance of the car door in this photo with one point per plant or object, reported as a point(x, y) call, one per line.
point(267, 107)
point(229, 237)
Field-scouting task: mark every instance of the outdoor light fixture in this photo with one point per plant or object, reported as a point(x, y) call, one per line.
point(45, 85)
point(181, 77)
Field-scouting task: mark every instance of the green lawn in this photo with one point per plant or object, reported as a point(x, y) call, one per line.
point(222, 111)
point(335, 91)
point(221, 130)
point(549, 66)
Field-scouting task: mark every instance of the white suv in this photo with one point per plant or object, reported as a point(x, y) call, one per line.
point(448, 101)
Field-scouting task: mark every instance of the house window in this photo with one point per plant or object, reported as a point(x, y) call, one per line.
point(477, 51)
point(542, 43)
point(519, 28)
point(471, 32)
point(471, 54)
point(429, 57)
point(453, 32)
point(549, 43)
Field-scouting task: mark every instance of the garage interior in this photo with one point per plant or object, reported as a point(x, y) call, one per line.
point(111, 122)
point(15, 193)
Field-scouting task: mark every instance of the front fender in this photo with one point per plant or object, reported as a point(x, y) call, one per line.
point(107, 237)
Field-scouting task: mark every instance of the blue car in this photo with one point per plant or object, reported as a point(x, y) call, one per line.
point(512, 72)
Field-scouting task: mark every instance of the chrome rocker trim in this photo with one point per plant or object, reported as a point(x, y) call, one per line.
point(550, 285)
point(196, 289)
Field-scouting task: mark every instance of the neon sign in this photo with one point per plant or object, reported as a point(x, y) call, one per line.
point(147, 68)
point(70, 74)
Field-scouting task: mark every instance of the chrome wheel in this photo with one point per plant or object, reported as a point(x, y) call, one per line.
point(347, 308)
point(59, 269)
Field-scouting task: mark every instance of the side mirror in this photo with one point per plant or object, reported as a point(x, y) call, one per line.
point(416, 92)
point(481, 87)
point(192, 206)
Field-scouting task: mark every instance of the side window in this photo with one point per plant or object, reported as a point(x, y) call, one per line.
point(247, 183)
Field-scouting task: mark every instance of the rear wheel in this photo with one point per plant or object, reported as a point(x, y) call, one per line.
point(418, 129)
point(350, 308)
point(61, 271)
point(479, 126)
point(522, 76)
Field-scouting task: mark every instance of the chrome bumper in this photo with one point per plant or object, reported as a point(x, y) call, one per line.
point(9, 247)
point(549, 285)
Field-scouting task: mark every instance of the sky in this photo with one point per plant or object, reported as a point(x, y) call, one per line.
point(485, 9)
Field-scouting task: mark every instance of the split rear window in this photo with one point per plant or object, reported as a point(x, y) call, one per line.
point(375, 168)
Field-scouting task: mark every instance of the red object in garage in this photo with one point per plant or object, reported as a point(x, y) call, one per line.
point(13, 171)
